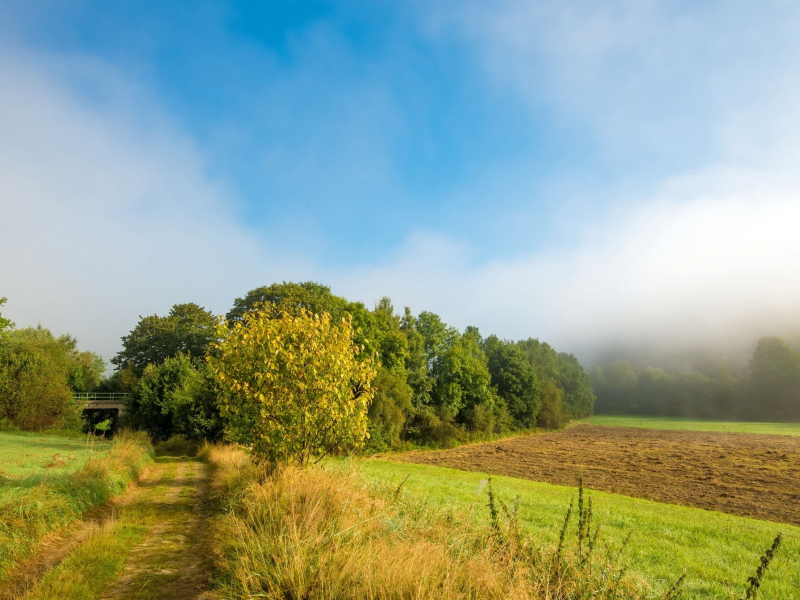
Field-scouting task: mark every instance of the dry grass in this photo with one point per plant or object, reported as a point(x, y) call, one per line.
point(323, 534)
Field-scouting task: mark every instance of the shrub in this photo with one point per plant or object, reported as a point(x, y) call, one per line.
point(38, 374)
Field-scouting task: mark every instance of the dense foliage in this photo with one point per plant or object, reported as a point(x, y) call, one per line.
point(39, 373)
point(177, 397)
point(188, 329)
point(769, 390)
point(295, 387)
point(434, 384)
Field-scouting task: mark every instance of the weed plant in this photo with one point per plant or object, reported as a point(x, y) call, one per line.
point(50, 504)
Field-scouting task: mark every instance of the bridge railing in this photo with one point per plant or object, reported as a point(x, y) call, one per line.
point(110, 397)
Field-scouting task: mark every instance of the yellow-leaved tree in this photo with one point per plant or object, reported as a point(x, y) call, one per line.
point(295, 390)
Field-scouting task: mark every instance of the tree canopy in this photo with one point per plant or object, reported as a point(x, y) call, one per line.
point(515, 380)
point(188, 329)
point(39, 372)
point(177, 397)
point(295, 386)
point(5, 324)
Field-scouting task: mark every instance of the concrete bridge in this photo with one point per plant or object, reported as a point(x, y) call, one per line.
point(105, 401)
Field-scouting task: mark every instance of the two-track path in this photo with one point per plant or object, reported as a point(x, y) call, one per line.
point(148, 544)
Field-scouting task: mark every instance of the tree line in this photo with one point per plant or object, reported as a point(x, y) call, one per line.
point(767, 390)
point(434, 384)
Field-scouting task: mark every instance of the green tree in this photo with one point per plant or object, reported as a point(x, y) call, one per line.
point(188, 329)
point(566, 372)
point(295, 386)
point(390, 340)
point(576, 385)
point(38, 374)
point(315, 298)
point(462, 389)
point(291, 298)
point(774, 386)
point(5, 324)
point(176, 397)
point(388, 410)
point(515, 380)
point(551, 415)
point(417, 367)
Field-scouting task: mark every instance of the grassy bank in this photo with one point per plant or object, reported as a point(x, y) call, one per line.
point(694, 425)
point(53, 482)
point(713, 549)
point(328, 533)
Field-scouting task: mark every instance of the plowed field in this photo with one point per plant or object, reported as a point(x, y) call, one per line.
point(743, 474)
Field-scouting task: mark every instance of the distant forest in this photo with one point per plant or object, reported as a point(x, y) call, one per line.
point(767, 390)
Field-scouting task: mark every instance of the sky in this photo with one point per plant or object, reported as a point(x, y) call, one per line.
point(607, 177)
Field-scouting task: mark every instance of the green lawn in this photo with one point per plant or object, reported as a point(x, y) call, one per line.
point(667, 541)
point(44, 486)
point(24, 455)
point(694, 425)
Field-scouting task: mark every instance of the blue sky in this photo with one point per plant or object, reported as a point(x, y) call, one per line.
point(522, 166)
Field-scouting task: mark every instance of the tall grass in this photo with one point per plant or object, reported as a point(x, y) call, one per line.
point(51, 504)
point(320, 534)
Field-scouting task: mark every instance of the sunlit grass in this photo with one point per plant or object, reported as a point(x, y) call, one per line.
point(693, 424)
point(31, 455)
point(154, 522)
point(328, 533)
point(713, 549)
point(48, 499)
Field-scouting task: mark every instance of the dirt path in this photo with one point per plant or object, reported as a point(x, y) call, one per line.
point(151, 547)
point(171, 562)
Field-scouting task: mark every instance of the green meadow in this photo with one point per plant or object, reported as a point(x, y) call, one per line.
point(48, 482)
point(716, 551)
point(25, 455)
point(693, 425)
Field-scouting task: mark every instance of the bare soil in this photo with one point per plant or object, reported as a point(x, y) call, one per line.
point(742, 474)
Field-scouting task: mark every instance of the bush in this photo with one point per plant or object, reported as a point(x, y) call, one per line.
point(7, 426)
point(38, 375)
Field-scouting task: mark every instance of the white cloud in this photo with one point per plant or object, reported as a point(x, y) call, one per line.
point(105, 211)
point(687, 270)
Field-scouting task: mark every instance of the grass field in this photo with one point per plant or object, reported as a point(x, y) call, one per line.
point(24, 455)
point(747, 475)
point(693, 425)
point(713, 549)
point(49, 482)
